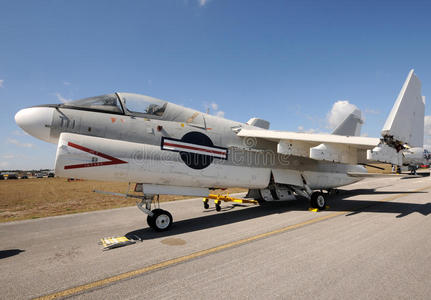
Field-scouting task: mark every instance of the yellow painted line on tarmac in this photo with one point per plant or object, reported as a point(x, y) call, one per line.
point(170, 262)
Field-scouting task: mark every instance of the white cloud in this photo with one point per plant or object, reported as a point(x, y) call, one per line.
point(8, 156)
point(62, 99)
point(3, 164)
point(339, 112)
point(19, 144)
point(220, 114)
point(203, 2)
point(213, 109)
point(1, 83)
point(427, 122)
point(300, 128)
point(66, 83)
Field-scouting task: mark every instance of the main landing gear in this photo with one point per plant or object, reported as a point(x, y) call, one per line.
point(318, 200)
point(158, 219)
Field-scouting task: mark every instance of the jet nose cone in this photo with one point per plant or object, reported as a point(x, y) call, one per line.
point(36, 121)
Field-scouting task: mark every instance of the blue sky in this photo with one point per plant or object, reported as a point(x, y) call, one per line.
point(284, 61)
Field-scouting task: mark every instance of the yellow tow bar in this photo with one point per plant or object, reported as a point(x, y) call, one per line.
point(226, 198)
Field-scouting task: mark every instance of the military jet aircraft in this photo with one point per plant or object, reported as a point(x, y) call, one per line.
point(169, 149)
point(415, 157)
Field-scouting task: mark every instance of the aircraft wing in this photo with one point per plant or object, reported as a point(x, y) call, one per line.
point(311, 138)
point(329, 147)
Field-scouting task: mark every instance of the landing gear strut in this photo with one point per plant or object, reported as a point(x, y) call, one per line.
point(158, 219)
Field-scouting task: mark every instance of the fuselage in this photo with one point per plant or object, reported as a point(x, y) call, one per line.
point(163, 143)
point(416, 156)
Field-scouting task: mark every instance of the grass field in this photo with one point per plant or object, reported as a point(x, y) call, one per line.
point(387, 169)
point(36, 198)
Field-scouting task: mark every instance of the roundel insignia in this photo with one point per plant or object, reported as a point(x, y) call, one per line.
point(196, 149)
point(196, 160)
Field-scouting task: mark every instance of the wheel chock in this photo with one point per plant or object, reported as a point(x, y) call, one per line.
point(115, 242)
point(316, 209)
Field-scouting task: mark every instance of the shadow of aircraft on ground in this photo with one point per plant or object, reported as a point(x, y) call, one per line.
point(337, 203)
point(10, 252)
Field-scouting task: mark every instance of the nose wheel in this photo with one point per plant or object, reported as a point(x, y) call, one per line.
point(161, 220)
point(158, 219)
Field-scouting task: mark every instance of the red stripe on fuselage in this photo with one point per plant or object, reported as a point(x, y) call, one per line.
point(112, 160)
point(195, 148)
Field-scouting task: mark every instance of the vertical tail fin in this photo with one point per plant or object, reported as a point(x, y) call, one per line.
point(405, 123)
point(351, 125)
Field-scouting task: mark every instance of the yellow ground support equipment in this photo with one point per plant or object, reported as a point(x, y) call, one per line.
point(316, 209)
point(226, 198)
point(115, 242)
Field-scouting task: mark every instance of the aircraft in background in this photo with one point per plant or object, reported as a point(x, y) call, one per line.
point(169, 149)
point(416, 157)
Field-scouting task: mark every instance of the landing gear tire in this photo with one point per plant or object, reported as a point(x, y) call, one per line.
point(318, 200)
point(218, 207)
point(161, 220)
point(206, 205)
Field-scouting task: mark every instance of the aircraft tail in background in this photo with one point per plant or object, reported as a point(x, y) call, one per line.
point(405, 123)
point(351, 125)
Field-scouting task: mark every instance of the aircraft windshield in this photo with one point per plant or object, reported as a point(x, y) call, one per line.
point(140, 104)
point(108, 103)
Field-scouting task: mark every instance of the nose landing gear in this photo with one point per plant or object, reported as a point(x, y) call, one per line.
point(158, 219)
point(161, 220)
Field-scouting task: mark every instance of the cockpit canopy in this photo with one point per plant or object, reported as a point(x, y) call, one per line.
point(142, 105)
point(108, 103)
point(133, 104)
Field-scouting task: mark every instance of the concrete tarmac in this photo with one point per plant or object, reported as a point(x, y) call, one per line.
point(373, 242)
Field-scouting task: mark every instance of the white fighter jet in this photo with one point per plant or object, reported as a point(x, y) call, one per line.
point(169, 149)
point(416, 157)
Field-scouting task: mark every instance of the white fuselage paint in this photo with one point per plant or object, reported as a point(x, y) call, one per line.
point(149, 164)
point(246, 163)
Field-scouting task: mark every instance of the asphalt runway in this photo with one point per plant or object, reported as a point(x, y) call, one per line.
point(373, 242)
